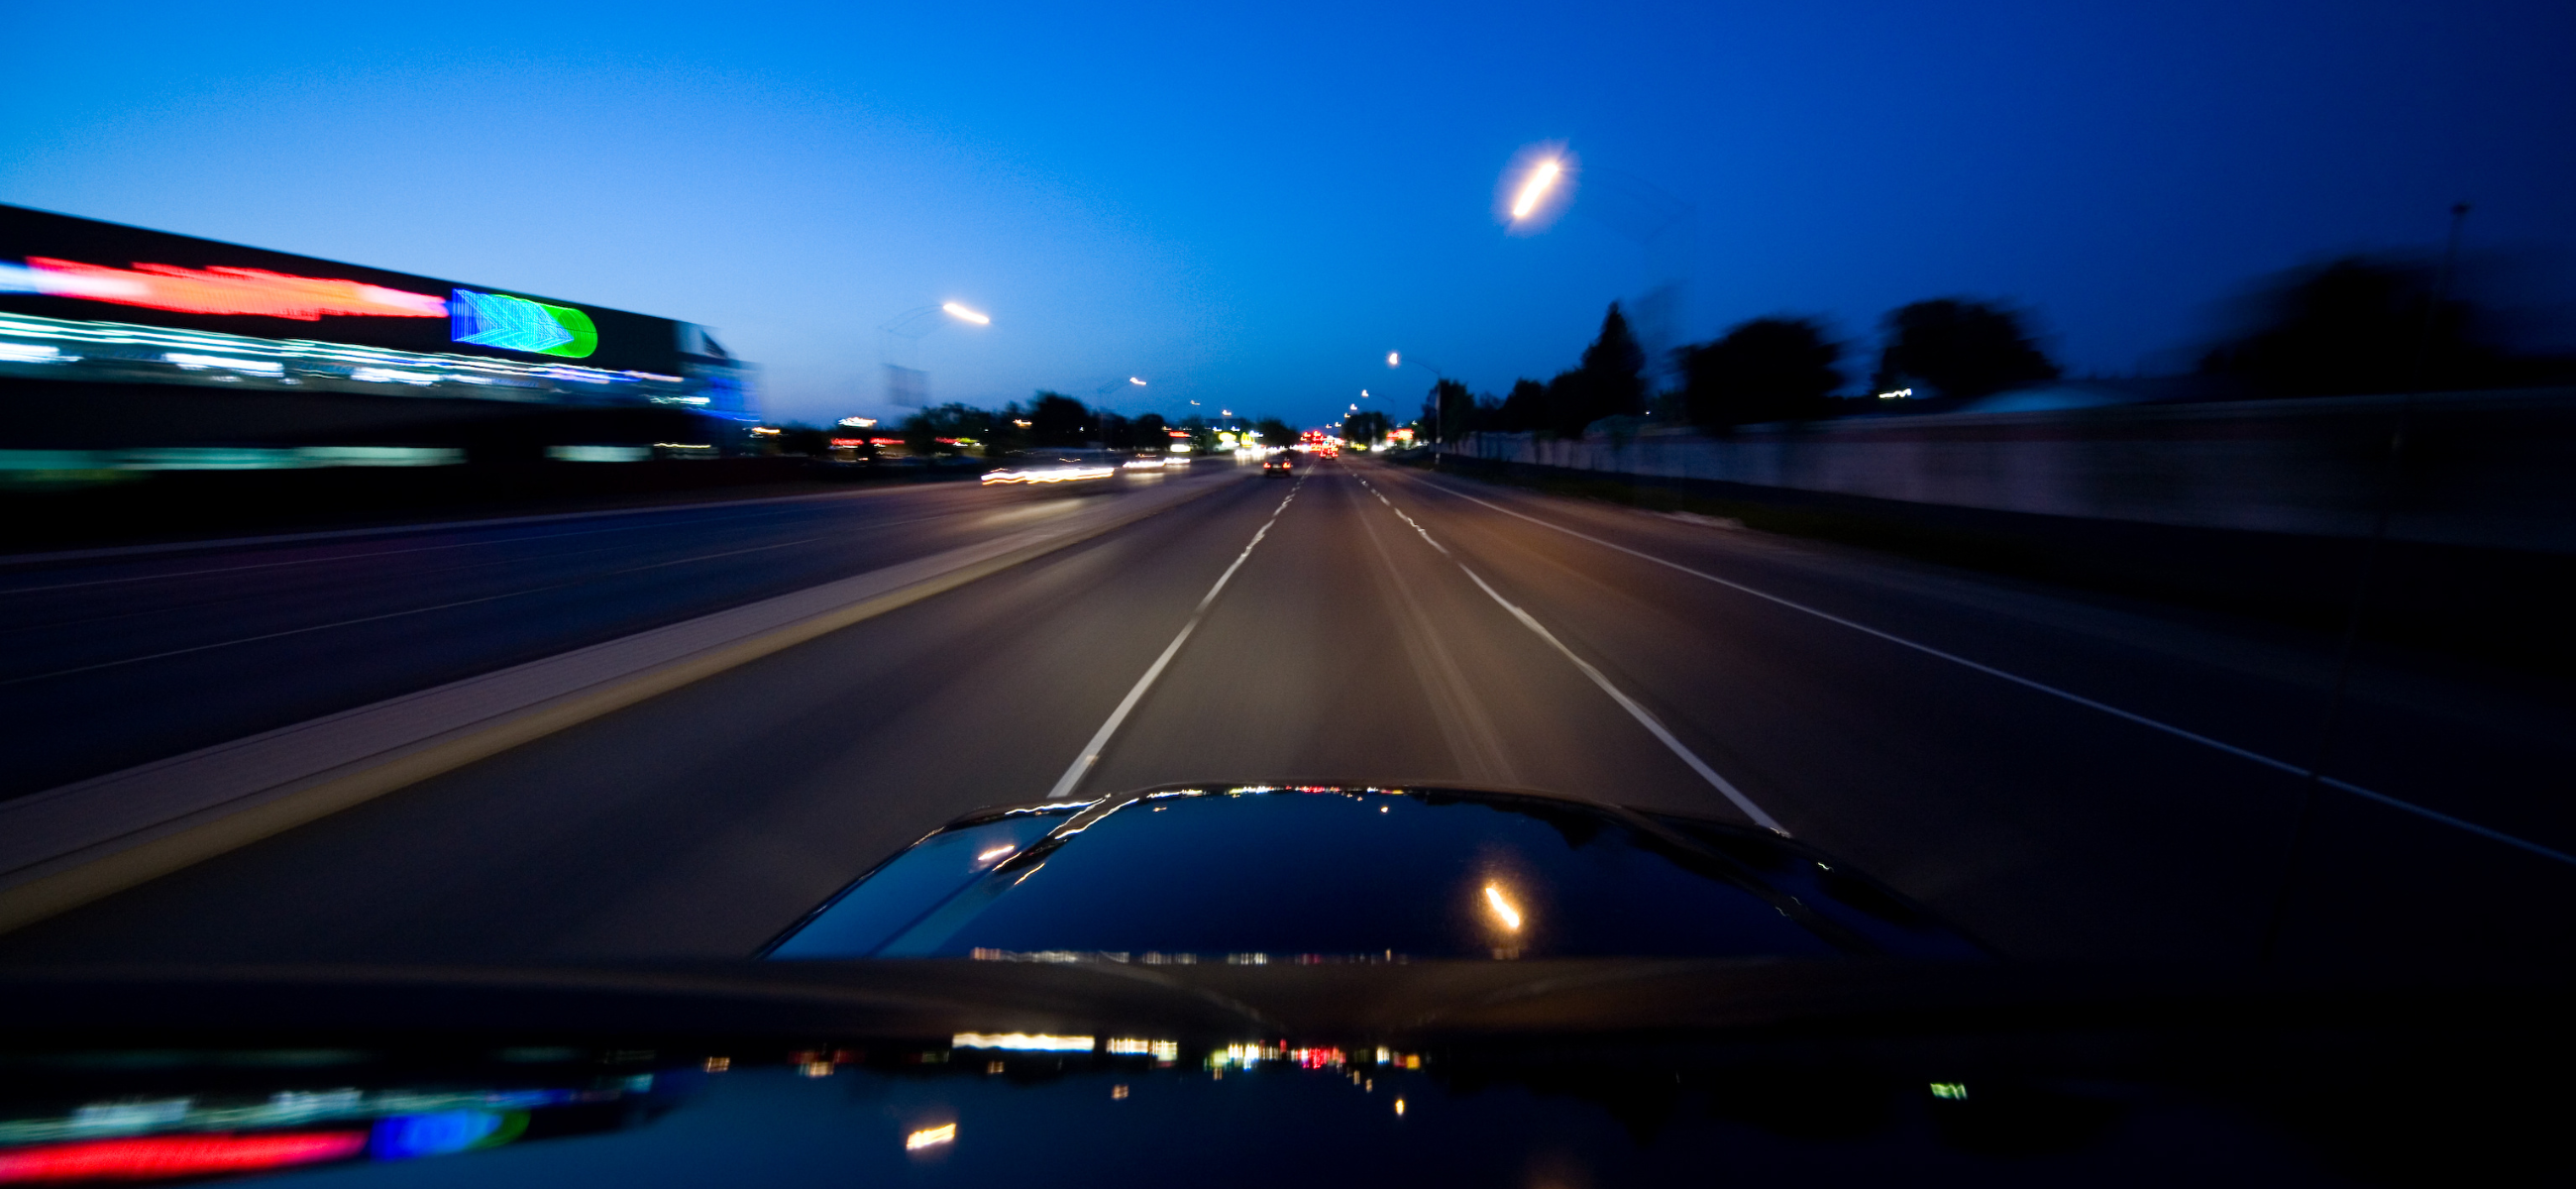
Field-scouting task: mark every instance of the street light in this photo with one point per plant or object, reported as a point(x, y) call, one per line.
point(908, 387)
point(1541, 180)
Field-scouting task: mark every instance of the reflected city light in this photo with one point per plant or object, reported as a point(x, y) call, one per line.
point(930, 1137)
point(1160, 1050)
point(1034, 1042)
point(1503, 910)
point(995, 853)
point(967, 314)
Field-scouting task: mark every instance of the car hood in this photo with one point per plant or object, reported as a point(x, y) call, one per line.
point(1260, 874)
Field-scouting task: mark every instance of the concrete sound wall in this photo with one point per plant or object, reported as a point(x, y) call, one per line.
point(2481, 470)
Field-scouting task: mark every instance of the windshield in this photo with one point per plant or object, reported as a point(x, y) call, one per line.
point(1993, 489)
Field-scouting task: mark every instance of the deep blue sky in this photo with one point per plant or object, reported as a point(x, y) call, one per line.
point(1250, 206)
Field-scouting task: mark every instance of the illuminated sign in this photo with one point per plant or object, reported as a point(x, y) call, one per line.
point(70, 270)
point(515, 323)
point(217, 290)
point(176, 1156)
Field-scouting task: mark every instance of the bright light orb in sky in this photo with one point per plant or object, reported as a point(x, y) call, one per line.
point(1535, 188)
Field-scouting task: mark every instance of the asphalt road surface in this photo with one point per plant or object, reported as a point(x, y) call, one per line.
point(2071, 777)
point(114, 660)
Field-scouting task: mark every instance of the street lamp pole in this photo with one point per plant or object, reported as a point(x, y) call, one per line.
point(903, 382)
point(1439, 377)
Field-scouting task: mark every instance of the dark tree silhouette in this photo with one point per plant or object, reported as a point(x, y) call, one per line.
point(1275, 432)
point(2360, 325)
point(1456, 410)
point(1525, 408)
point(1961, 347)
point(1150, 432)
point(1768, 369)
point(1365, 429)
point(1609, 382)
point(938, 430)
point(1059, 420)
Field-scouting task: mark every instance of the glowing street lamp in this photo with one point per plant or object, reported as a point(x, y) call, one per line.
point(1133, 380)
point(1541, 180)
point(969, 315)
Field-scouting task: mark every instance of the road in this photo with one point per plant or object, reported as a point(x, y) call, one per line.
point(2071, 777)
point(109, 661)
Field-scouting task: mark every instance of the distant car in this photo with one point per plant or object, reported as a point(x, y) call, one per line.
point(1282, 463)
point(1338, 873)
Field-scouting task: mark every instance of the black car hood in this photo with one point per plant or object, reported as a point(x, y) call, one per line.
point(1260, 874)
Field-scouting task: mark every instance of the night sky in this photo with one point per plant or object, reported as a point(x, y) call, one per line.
point(1250, 207)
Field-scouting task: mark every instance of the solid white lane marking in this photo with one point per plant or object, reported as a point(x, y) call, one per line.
point(1090, 756)
point(1640, 713)
point(2052, 691)
point(1644, 717)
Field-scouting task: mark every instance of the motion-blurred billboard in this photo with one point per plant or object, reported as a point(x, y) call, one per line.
point(83, 300)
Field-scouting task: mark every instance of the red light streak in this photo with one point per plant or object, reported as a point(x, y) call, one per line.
point(176, 1156)
point(221, 290)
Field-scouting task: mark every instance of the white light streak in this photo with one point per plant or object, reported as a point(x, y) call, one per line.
point(1033, 1042)
point(930, 1137)
point(1541, 180)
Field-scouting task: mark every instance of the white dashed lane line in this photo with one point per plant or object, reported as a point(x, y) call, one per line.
point(1082, 764)
point(1644, 717)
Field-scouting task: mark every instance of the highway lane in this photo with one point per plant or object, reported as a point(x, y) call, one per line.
point(107, 662)
point(2027, 811)
point(1377, 638)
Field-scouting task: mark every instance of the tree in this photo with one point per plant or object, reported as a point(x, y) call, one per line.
point(1151, 433)
point(1365, 429)
point(1275, 432)
point(1610, 382)
point(946, 429)
point(1449, 410)
point(2361, 325)
point(1768, 369)
point(1524, 409)
point(1961, 347)
point(1059, 420)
